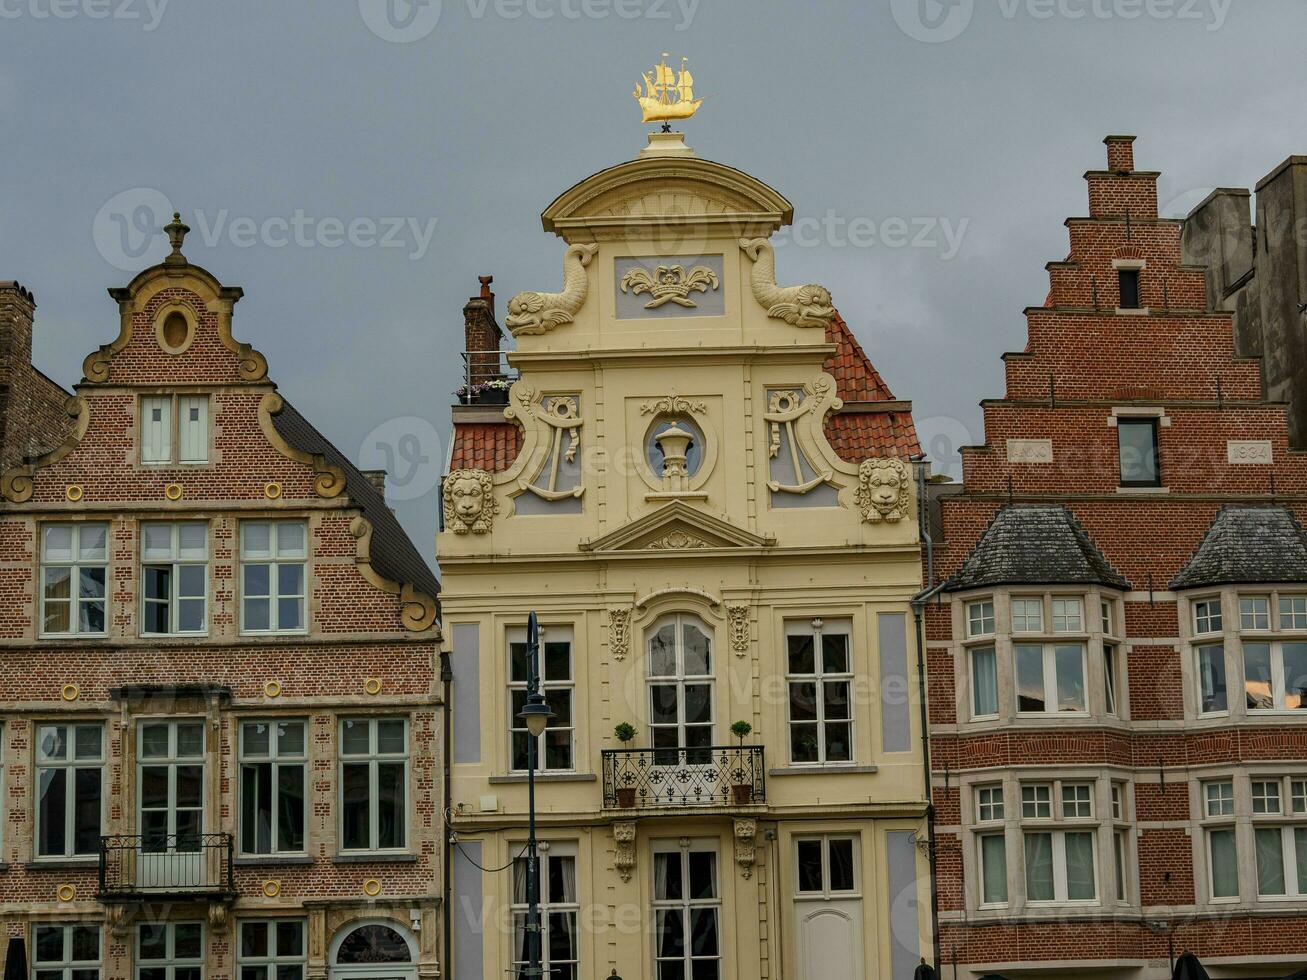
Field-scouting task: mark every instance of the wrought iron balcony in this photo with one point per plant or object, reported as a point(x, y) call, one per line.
point(171, 866)
point(720, 775)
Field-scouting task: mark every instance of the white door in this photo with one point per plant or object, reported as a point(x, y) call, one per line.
point(680, 672)
point(374, 951)
point(828, 908)
point(170, 777)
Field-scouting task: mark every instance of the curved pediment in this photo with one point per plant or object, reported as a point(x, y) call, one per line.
point(666, 191)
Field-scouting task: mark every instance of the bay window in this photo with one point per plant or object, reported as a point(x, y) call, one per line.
point(1219, 830)
point(1027, 615)
point(374, 784)
point(1068, 616)
point(1207, 616)
point(1275, 675)
point(69, 776)
point(1254, 613)
point(980, 618)
point(1280, 844)
point(991, 845)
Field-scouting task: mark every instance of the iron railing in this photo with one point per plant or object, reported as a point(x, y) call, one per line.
point(166, 865)
point(485, 379)
point(720, 775)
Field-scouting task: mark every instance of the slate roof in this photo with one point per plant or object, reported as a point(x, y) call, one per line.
point(393, 553)
point(1246, 545)
point(854, 435)
point(1034, 544)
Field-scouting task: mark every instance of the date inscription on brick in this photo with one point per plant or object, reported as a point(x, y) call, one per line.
point(1245, 453)
point(1030, 450)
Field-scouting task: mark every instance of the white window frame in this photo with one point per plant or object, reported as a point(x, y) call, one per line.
point(1219, 656)
point(992, 650)
point(1249, 613)
point(64, 967)
point(1058, 826)
point(277, 761)
point(991, 811)
point(516, 726)
point(70, 765)
point(176, 561)
point(1217, 815)
point(826, 892)
point(819, 678)
point(685, 904)
point(1297, 621)
point(274, 961)
point(1208, 617)
point(372, 758)
point(1111, 679)
point(1049, 654)
point(1027, 603)
point(549, 852)
point(1107, 617)
point(1288, 860)
point(171, 962)
point(174, 406)
point(681, 679)
point(1279, 689)
point(1071, 617)
point(75, 564)
point(980, 612)
point(275, 559)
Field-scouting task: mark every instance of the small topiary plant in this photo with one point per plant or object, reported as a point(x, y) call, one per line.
point(624, 732)
point(741, 730)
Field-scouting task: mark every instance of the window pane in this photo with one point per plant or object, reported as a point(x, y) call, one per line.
point(186, 941)
point(256, 539)
point(390, 804)
point(993, 868)
point(256, 739)
point(86, 943)
point(254, 939)
point(801, 655)
point(1070, 678)
point(835, 653)
point(1039, 867)
point(355, 806)
point(290, 938)
point(1270, 861)
point(156, 540)
point(697, 655)
point(1225, 864)
point(1030, 678)
point(58, 542)
point(354, 737)
point(841, 864)
point(391, 736)
point(1295, 675)
point(193, 539)
point(87, 807)
point(290, 539)
point(190, 740)
point(290, 807)
point(1137, 440)
point(703, 874)
point(1211, 678)
point(1079, 866)
point(558, 661)
point(1257, 676)
point(1300, 855)
point(809, 866)
point(984, 681)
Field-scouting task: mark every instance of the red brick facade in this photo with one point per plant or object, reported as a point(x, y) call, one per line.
point(364, 644)
point(1052, 439)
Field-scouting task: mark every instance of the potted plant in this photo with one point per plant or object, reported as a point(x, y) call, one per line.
point(625, 733)
point(741, 792)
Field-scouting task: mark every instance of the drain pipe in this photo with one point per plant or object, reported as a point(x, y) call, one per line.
point(446, 686)
point(918, 605)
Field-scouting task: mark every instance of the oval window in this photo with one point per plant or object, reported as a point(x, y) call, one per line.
point(176, 330)
point(374, 944)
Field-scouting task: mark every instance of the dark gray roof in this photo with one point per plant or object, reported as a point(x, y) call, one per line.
point(1034, 544)
point(393, 553)
point(1247, 544)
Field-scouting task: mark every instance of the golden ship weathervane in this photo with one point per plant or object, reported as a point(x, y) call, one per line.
point(667, 94)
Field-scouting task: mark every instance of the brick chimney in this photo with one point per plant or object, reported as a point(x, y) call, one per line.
point(1120, 154)
point(481, 335)
point(17, 310)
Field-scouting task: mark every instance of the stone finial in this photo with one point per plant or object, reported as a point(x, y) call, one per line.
point(176, 232)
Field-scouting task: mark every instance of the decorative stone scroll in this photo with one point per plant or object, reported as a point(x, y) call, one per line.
point(785, 407)
point(533, 313)
point(799, 306)
point(737, 616)
point(619, 632)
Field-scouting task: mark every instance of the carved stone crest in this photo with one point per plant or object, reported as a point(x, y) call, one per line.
point(670, 284)
point(624, 855)
point(883, 490)
point(619, 632)
point(738, 617)
point(746, 851)
point(673, 405)
point(470, 503)
point(536, 313)
point(678, 541)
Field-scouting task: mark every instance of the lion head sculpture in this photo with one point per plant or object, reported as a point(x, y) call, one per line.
point(470, 503)
point(883, 490)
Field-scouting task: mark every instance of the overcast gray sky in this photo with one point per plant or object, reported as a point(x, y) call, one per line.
point(932, 149)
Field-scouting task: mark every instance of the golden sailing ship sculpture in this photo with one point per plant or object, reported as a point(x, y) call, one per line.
point(667, 94)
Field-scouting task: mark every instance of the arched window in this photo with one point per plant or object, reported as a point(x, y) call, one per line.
point(680, 671)
point(374, 943)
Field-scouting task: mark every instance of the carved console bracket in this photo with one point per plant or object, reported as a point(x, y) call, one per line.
point(619, 632)
point(624, 856)
point(737, 616)
point(746, 851)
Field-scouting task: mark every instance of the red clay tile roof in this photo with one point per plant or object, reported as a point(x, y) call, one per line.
point(854, 435)
point(490, 446)
point(860, 435)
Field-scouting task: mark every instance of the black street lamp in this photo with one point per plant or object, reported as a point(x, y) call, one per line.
point(535, 714)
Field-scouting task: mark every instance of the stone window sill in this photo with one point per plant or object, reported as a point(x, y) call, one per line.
point(546, 777)
point(821, 770)
point(62, 864)
point(268, 860)
point(374, 858)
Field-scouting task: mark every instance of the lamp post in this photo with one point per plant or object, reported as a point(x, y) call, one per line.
point(535, 714)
